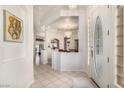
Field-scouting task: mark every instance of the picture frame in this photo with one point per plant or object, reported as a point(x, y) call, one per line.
point(13, 27)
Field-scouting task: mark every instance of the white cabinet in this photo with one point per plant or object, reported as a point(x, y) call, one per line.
point(55, 60)
point(64, 61)
point(43, 56)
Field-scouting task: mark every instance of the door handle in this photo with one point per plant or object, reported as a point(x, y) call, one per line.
point(91, 51)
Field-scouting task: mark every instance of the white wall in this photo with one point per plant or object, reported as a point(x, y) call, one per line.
point(16, 59)
point(83, 41)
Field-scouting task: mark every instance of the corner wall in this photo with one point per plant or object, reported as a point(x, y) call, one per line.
point(83, 41)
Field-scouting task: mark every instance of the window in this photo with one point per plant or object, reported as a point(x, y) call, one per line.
point(120, 47)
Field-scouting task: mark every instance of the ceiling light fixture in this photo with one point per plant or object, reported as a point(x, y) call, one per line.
point(68, 34)
point(72, 7)
point(43, 27)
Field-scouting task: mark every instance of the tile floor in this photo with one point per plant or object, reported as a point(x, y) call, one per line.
point(46, 77)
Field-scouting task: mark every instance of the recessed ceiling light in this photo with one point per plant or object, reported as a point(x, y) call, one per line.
point(72, 7)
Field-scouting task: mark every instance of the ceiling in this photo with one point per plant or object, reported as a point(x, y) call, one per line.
point(66, 23)
point(43, 13)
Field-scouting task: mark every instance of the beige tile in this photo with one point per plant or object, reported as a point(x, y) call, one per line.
point(65, 86)
point(65, 79)
point(46, 77)
point(58, 82)
point(45, 82)
point(53, 79)
point(51, 86)
point(37, 84)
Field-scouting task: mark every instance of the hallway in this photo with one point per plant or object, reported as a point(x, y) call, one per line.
point(46, 77)
point(62, 48)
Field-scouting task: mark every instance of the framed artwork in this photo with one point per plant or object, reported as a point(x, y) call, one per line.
point(13, 27)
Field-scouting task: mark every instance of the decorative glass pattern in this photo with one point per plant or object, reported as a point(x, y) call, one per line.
point(98, 46)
